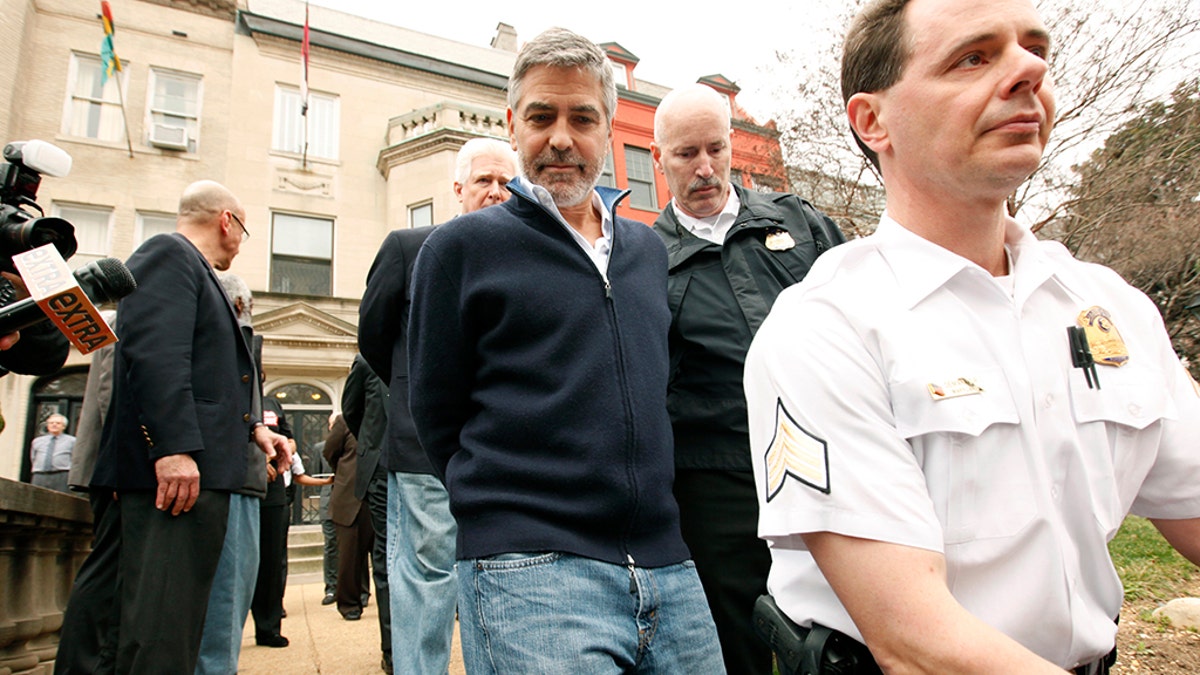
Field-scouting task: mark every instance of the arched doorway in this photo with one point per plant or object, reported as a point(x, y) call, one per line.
point(307, 408)
point(60, 393)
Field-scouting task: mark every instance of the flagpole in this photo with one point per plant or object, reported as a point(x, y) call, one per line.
point(304, 47)
point(124, 116)
point(111, 63)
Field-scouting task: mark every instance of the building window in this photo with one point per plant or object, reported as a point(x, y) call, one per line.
point(91, 231)
point(607, 179)
point(620, 74)
point(92, 110)
point(420, 215)
point(766, 184)
point(174, 110)
point(321, 124)
point(639, 171)
point(735, 177)
point(150, 224)
point(301, 255)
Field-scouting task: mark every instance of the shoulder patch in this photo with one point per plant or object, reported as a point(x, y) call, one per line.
point(797, 453)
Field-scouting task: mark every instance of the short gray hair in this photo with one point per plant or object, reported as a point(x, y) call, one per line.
point(561, 48)
point(236, 288)
point(478, 147)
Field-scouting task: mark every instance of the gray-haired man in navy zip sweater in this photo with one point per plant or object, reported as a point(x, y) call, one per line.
point(538, 363)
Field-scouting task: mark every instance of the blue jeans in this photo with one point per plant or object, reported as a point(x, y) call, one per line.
point(232, 589)
point(420, 561)
point(559, 613)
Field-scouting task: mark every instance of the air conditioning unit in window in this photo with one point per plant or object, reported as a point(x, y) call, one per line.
point(169, 137)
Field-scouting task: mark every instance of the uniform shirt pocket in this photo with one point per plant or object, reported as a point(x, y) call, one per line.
point(969, 449)
point(1120, 428)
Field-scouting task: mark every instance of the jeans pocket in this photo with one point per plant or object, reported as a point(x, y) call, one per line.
point(514, 561)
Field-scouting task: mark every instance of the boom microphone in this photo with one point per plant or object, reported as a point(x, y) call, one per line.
point(67, 299)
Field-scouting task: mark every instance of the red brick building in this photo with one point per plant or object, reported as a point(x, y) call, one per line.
point(757, 159)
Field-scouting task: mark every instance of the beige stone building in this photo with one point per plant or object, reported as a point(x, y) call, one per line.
point(211, 89)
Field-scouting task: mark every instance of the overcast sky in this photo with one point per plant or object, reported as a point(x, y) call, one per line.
point(676, 46)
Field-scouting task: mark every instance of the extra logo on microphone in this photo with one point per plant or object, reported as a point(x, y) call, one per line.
point(57, 292)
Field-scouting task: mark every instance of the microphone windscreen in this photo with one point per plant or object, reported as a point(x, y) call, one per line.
point(106, 280)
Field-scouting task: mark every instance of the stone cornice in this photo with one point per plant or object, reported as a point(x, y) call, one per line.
point(256, 24)
point(221, 9)
point(756, 129)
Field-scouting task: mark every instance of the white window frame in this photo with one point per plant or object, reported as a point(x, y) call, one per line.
point(414, 211)
point(298, 255)
point(323, 123)
point(608, 175)
point(620, 74)
point(87, 250)
point(632, 151)
point(158, 115)
point(109, 102)
point(143, 216)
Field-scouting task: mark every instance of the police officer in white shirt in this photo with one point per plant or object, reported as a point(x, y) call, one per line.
point(949, 419)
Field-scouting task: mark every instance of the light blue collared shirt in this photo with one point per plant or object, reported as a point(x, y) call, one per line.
point(599, 253)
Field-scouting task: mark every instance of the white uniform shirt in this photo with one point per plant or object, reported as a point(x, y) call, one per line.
point(1019, 482)
point(713, 228)
point(297, 469)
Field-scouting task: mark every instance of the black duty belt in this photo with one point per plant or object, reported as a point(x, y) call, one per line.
point(823, 651)
point(1100, 666)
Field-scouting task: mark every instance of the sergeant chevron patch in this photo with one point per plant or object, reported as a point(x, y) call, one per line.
point(797, 453)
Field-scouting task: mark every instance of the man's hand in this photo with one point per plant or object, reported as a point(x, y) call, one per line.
point(274, 446)
point(8, 340)
point(271, 472)
point(178, 483)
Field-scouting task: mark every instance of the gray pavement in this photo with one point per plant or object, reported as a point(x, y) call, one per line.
point(321, 640)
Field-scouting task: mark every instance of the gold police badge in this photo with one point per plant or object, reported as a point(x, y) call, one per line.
point(1103, 337)
point(779, 240)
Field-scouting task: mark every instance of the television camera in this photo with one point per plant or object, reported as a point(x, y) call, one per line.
point(20, 176)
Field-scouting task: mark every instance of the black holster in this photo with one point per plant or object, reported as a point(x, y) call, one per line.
point(809, 651)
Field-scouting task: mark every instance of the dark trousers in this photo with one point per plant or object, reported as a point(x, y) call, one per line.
point(330, 557)
point(267, 605)
point(354, 549)
point(376, 500)
point(88, 642)
point(165, 575)
point(718, 513)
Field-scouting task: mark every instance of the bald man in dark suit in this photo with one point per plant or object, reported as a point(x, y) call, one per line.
point(174, 441)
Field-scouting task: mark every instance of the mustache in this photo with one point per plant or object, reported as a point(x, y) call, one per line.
point(556, 156)
point(701, 183)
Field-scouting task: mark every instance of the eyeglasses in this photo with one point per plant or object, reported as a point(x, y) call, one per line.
point(245, 232)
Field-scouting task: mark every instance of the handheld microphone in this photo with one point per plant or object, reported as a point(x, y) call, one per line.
point(66, 299)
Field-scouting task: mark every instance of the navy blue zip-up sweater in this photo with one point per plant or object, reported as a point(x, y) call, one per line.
point(538, 389)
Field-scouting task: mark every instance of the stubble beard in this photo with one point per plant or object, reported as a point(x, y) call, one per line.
point(565, 190)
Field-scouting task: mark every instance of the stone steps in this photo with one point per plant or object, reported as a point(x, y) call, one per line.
point(305, 551)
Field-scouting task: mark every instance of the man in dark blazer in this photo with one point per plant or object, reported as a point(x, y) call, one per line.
point(364, 407)
point(421, 562)
point(174, 441)
point(352, 520)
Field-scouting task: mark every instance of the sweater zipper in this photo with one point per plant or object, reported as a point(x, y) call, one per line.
point(623, 381)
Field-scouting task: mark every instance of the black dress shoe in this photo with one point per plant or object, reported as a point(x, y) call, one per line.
point(386, 664)
point(271, 641)
point(353, 615)
point(329, 599)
